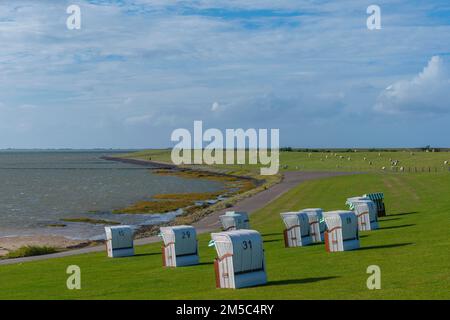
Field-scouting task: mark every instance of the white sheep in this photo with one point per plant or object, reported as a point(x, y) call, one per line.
point(383, 168)
point(445, 162)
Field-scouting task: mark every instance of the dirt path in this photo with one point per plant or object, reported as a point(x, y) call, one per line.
point(211, 222)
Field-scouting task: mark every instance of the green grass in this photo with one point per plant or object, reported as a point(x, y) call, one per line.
point(411, 248)
point(28, 251)
point(325, 161)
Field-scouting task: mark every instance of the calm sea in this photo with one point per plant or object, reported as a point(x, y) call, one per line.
point(38, 188)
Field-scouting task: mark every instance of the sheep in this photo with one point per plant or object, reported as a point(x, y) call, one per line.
point(445, 162)
point(401, 168)
point(383, 168)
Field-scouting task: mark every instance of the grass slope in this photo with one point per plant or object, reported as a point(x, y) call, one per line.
point(411, 248)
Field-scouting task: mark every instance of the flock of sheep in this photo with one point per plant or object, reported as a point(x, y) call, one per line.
point(393, 162)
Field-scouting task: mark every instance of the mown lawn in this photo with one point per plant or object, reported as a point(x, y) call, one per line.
point(411, 248)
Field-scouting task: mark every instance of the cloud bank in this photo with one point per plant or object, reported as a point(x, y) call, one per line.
point(426, 93)
point(138, 69)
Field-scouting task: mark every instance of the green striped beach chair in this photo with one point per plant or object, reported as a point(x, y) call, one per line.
point(378, 198)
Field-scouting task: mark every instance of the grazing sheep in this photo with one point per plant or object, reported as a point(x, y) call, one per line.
point(365, 158)
point(349, 158)
point(445, 162)
point(383, 168)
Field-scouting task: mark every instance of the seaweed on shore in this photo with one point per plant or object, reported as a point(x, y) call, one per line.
point(162, 206)
point(28, 251)
point(92, 221)
point(169, 202)
point(197, 196)
point(56, 225)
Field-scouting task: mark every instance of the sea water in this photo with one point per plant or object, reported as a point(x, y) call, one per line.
point(39, 188)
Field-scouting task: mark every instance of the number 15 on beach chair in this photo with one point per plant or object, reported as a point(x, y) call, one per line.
point(119, 241)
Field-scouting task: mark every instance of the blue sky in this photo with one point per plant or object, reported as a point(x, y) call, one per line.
point(136, 70)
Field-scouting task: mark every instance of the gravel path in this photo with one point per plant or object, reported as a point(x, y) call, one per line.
point(211, 222)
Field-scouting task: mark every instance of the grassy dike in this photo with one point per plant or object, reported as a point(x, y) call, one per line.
point(334, 160)
point(411, 248)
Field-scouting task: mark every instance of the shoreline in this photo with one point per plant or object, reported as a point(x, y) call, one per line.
point(210, 222)
point(11, 243)
point(194, 213)
point(61, 243)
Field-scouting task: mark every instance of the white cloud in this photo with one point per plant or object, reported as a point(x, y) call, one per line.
point(138, 120)
point(425, 93)
point(215, 107)
point(27, 107)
